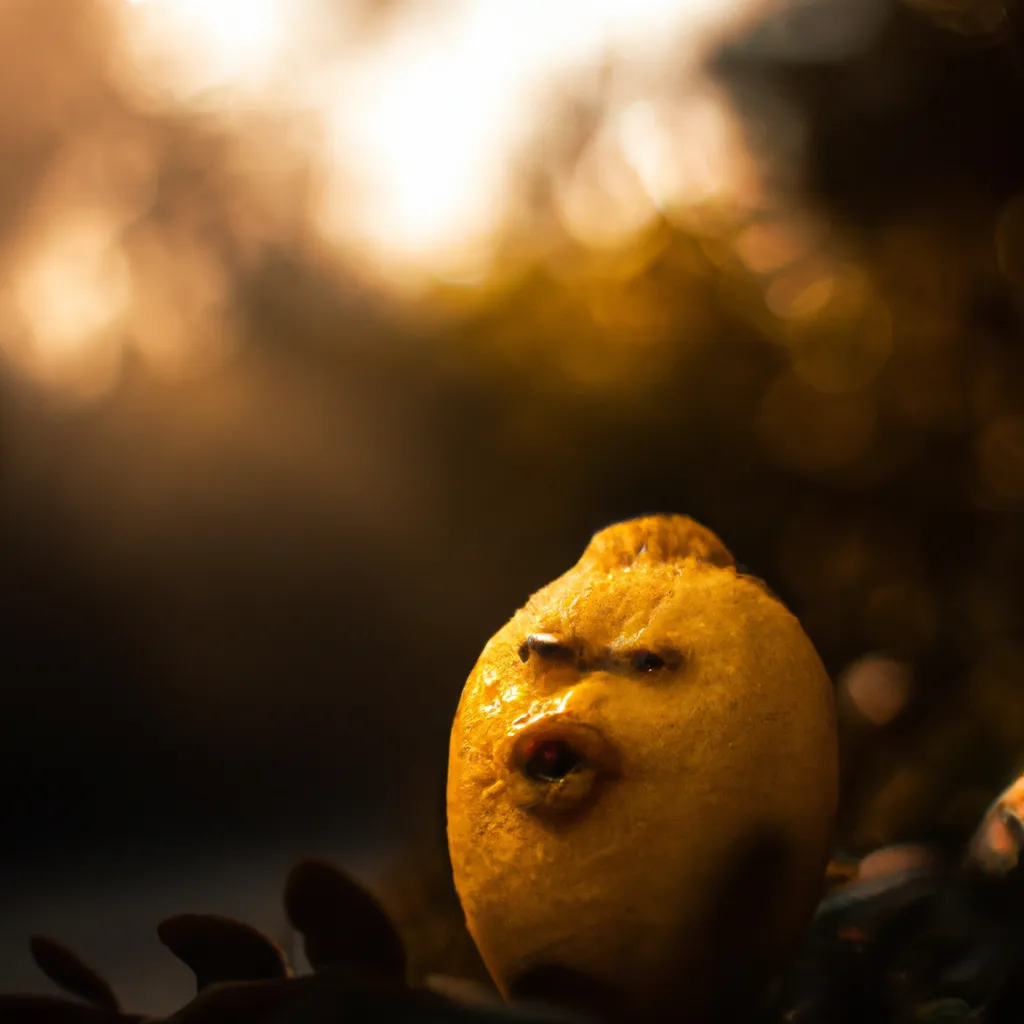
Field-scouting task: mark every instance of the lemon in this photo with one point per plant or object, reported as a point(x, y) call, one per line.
point(643, 781)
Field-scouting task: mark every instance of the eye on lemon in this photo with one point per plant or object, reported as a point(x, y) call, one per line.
point(643, 782)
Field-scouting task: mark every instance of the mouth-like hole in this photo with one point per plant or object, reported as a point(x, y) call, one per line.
point(550, 760)
point(557, 765)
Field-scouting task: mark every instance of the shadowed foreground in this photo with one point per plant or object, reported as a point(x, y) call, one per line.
point(909, 933)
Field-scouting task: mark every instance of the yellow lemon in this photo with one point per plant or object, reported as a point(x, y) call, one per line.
point(643, 781)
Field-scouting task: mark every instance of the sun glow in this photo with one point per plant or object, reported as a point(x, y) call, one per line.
point(428, 119)
point(432, 124)
point(70, 293)
point(406, 144)
point(176, 49)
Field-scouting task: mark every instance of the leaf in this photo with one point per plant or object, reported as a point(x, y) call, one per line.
point(67, 971)
point(221, 949)
point(341, 923)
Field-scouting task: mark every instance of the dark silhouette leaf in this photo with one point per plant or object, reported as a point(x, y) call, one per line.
point(219, 949)
point(341, 923)
point(66, 970)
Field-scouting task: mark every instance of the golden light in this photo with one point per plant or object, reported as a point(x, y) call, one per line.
point(689, 150)
point(604, 203)
point(427, 129)
point(177, 49)
point(428, 117)
point(69, 294)
point(770, 246)
point(417, 132)
point(400, 143)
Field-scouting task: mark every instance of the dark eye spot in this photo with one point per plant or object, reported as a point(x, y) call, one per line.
point(551, 760)
point(545, 646)
point(647, 661)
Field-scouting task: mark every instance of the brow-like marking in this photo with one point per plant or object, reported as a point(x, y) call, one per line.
point(546, 646)
point(645, 660)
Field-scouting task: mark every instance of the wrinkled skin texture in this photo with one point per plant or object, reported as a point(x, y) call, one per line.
point(676, 865)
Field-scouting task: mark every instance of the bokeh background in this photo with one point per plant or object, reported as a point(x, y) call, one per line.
point(330, 330)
